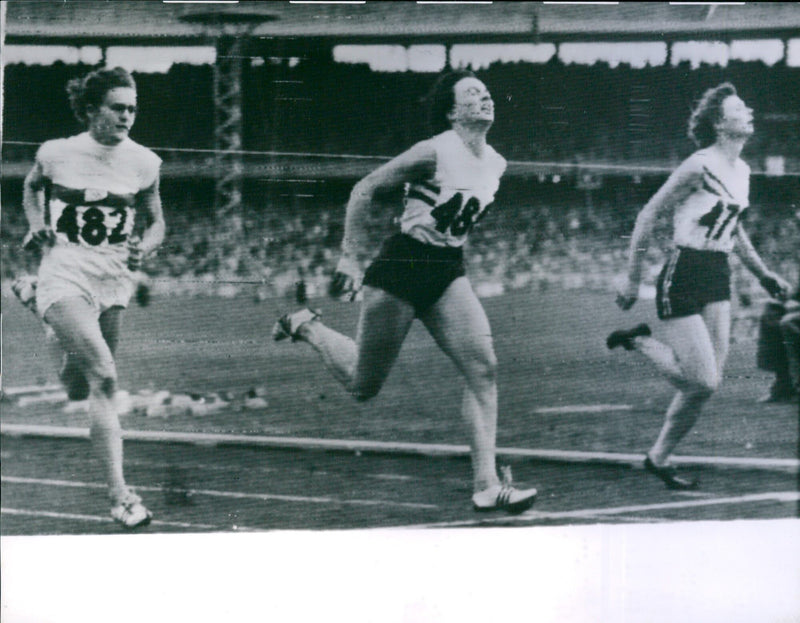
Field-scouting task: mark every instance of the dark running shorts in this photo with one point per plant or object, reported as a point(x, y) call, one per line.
point(416, 272)
point(690, 280)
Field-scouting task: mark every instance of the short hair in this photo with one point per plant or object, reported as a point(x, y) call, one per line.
point(441, 99)
point(707, 113)
point(92, 88)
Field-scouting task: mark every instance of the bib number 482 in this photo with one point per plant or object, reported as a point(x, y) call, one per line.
point(94, 230)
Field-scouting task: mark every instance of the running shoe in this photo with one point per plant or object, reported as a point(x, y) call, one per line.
point(504, 497)
point(779, 392)
point(24, 288)
point(74, 380)
point(669, 475)
point(130, 512)
point(624, 337)
point(288, 324)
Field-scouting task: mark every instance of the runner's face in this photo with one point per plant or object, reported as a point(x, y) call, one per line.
point(737, 118)
point(110, 123)
point(473, 102)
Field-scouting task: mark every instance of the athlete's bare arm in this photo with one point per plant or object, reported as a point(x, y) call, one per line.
point(772, 282)
point(33, 197)
point(149, 201)
point(415, 164)
point(683, 181)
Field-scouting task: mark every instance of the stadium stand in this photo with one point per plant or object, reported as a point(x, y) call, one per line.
point(556, 121)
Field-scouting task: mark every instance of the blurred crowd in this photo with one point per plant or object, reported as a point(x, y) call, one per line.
point(545, 239)
point(544, 112)
point(542, 232)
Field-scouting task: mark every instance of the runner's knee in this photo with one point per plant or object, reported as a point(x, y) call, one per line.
point(487, 368)
point(103, 380)
point(482, 368)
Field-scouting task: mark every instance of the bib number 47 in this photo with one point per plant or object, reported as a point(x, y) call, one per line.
point(718, 219)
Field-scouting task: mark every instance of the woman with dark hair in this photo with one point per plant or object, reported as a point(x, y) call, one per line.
point(81, 199)
point(707, 195)
point(450, 181)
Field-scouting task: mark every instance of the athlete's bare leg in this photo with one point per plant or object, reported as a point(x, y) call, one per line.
point(460, 327)
point(75, 323)
point(362, 365)
point(110, 324)
point(693, 359)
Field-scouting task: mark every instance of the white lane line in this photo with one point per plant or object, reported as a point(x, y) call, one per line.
point(775, 496)
point(101, 519)
point(52, 398)
point(221, 494)
point(582, 409)
point(386, 447)
point(630, 519)
point(31, 389)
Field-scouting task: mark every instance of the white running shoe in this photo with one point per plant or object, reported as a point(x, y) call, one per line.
point(130, 512)
point(504, 497)
point(288, 324)
point(24, 288)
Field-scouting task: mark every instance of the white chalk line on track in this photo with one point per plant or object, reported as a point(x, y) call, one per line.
point(385, 447)
point(24, 390)
point(784, 497)
point(100, 519)
point(569, 409)
point(222, 494)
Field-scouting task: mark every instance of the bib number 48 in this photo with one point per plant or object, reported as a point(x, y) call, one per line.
point(457, 215)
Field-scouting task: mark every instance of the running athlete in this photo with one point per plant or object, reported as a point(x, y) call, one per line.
point(450, 181)
point(81, 199)
point(707, 196)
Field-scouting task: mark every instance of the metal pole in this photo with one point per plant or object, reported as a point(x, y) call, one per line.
point(228, 129)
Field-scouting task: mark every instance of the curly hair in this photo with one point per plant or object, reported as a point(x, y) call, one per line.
point(441, 99)
point(92, 88)
point(707, 113)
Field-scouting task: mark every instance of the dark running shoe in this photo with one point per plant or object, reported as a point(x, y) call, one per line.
point(288, 324)
point(624, 337)
point(780, 392)
point(74, 380)
point(669, 475)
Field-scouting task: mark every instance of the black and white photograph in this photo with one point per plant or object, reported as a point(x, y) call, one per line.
point(400, 311)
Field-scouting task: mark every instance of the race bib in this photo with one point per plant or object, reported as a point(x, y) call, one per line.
point(92, 218)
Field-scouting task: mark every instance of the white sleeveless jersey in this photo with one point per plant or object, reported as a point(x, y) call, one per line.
point(442, 210)
point(90, 191)
point(707, 218)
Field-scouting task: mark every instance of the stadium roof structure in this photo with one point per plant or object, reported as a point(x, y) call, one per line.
point(168, 23)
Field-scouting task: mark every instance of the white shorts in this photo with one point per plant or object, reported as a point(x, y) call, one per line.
point(102, 280)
